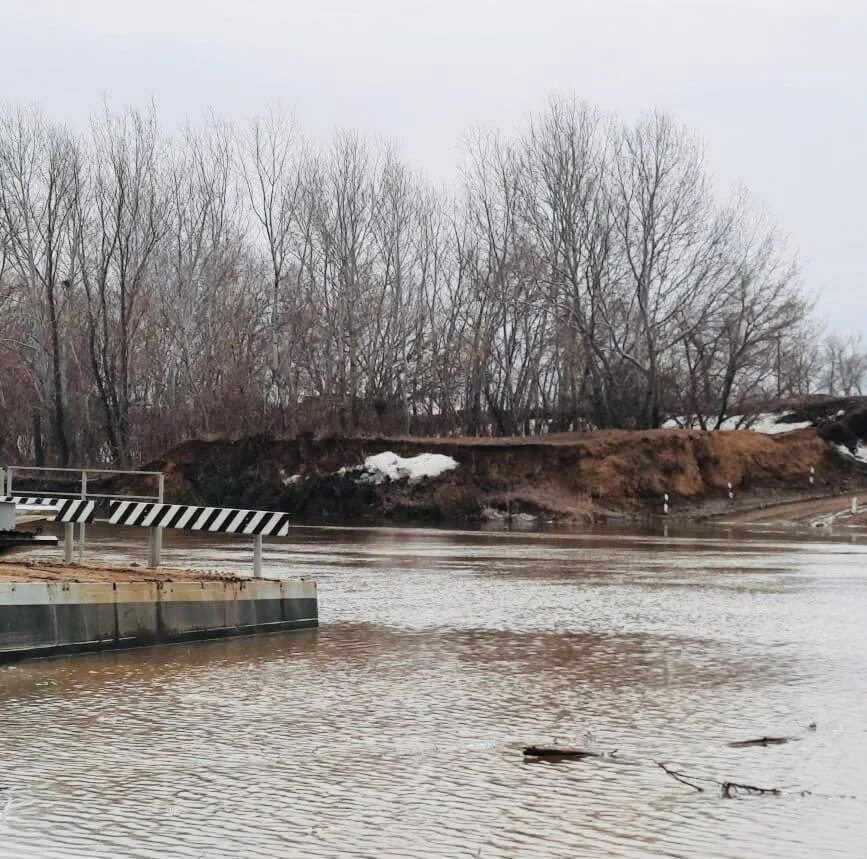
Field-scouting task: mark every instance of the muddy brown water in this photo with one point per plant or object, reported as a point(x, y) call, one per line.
point(396, 729)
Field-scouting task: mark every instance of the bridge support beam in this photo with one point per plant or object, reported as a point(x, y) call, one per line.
point(68, 538)
point(257, 556)
point(155, 546)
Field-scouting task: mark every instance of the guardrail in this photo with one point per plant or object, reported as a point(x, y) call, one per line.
point(85, 493)
point(216, 520)
point(145, 511)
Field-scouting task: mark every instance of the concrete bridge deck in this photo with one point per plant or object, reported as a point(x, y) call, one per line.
point(47, 608)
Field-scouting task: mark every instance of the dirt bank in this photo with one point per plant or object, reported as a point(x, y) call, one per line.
point(589, 476)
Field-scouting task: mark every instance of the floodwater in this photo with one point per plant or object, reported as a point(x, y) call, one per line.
point(396, 729)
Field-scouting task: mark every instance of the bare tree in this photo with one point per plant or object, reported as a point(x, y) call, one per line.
point(846, 365)
point(673, 245)
point(735, 354)
point(582, 274)
point(39, 163)
point(272, 157)
point(123, 217)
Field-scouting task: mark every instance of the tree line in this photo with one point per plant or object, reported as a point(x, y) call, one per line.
point(233, 280)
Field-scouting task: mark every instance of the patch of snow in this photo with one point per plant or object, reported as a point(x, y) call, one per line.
point(767, 423)
point(389, 466)
point(860, 454)
point(291, 480)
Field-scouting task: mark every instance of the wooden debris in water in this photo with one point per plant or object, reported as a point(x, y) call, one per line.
point(762, 741)
point(559, 752)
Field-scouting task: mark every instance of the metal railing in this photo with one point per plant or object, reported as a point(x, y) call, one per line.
point(257, 524)
point(83, 491)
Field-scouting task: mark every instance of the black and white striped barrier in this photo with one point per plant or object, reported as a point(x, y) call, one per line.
point(223, 520)
point(220, 520)
point(69, 510)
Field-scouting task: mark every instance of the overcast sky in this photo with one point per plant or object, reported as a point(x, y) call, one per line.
point(777, 88)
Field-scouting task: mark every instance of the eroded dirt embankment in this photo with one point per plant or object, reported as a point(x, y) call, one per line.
point(566, 477)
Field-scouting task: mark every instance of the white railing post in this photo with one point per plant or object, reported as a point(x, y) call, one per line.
point(854, 505)
point(2, 481)
point(9, 480)
point(153, 548)
point(81, 527)
point(155, 537)
point(257, 556)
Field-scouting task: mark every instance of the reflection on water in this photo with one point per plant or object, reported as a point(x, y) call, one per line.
point(396, 728)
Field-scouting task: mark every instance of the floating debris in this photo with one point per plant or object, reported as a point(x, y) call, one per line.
point(560, 752)
point(762, 741)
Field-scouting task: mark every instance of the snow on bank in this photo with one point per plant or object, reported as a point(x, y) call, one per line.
point(767, 423)
point(860, 452)
point(389, 466)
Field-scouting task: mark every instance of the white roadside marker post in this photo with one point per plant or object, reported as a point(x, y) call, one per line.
point(257, 556)
point(854, 505)
point(155, 535)
point(731, 492)
point(665, 503)
point(81, 525)
point(812, 475)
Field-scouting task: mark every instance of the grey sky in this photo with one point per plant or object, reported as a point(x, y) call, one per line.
point(777, 88)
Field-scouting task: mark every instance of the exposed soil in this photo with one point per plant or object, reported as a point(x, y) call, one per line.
point(590, 476)
point(576, 476)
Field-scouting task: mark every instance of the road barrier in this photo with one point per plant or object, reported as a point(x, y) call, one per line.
point(82, 483)
point(222, 520)
point(143, 511)
point(216, 520)
point(69, 510)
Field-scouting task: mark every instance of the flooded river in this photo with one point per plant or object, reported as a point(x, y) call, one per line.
point(396, 729)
